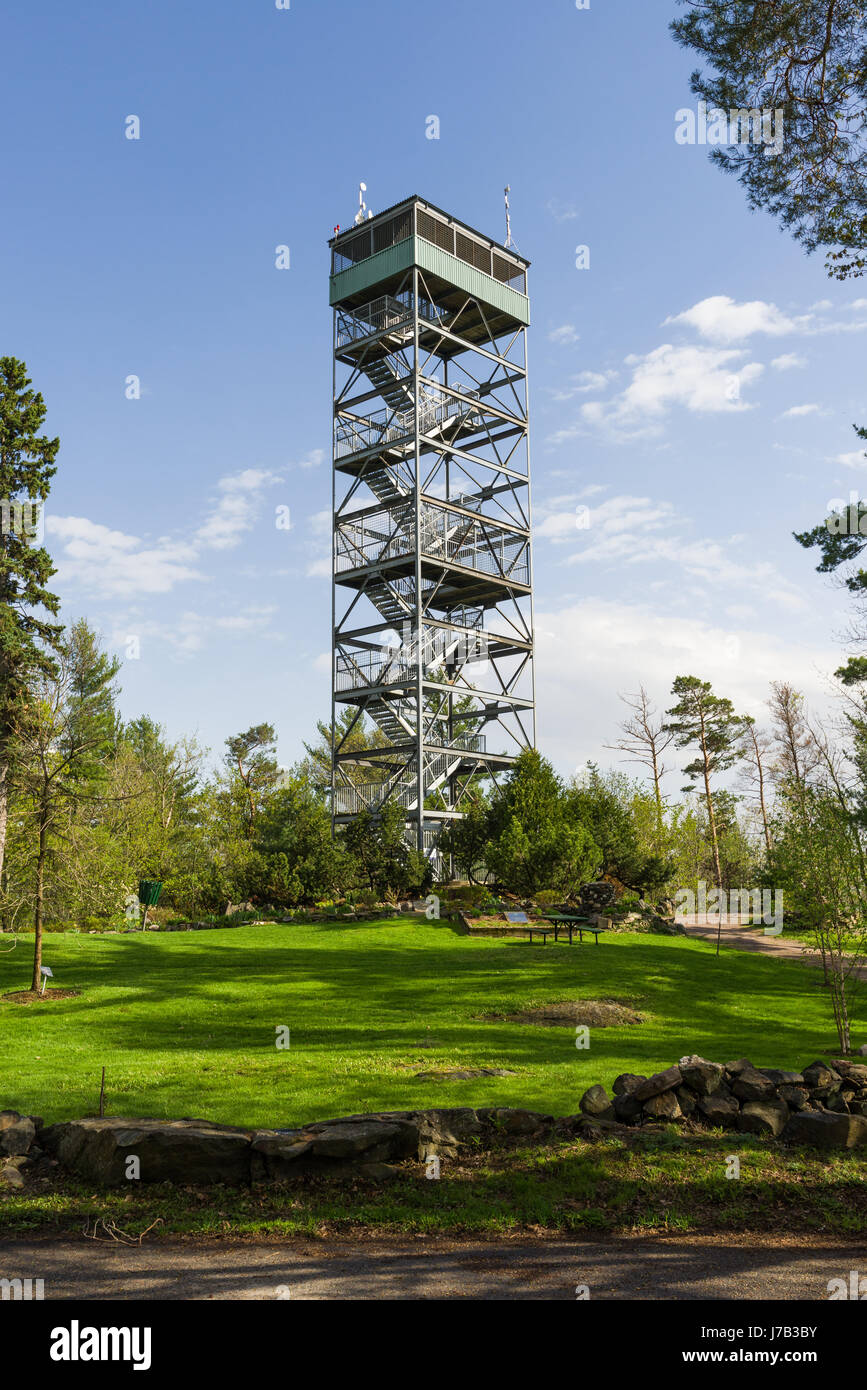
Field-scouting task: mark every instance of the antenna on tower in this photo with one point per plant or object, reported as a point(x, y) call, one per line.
point(362, 206)
point(509, 242)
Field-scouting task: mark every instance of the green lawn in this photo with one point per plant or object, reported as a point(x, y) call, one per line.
point(185, 1023)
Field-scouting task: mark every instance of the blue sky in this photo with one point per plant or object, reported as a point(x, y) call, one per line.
point(695, 387)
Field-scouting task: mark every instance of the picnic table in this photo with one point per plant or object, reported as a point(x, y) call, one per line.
point(561, 920)
point(519, 920)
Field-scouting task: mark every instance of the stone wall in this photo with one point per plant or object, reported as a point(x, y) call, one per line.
point(824, 1105)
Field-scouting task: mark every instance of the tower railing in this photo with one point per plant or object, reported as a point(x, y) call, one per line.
point(445, 534)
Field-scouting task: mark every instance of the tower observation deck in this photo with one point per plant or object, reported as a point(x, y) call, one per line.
point(432, 578)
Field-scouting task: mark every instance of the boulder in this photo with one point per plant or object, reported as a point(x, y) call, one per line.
point(17, 1137)
point(853, 1073)
point(821, 1078)
point(626, 1108)
point(443, 1132)
point(279, 1156)
point(7, 1118)
point(751, 1084)
point(763, 1117)
point(822, 1129)
point(782, 1078)
point(735, 1068)
point(10, 1176)
point(702, 1076)
point(686, 1099)
point(657, 1084)
point(178, 1151)
point(517, 1121)
point(837, 1103)
point(664, 1106)
point(719, 1110)
point(377, 1137)
point(596, 1102)
point(798, 1097)
point(626, 1082)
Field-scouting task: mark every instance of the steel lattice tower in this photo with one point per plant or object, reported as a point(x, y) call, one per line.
point(432, 595)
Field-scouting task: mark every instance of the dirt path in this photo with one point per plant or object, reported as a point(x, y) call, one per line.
point(738, 1267)
point(754, 939)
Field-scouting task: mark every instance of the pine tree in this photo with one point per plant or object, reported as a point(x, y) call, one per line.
point(26, 639)
point(708, 723)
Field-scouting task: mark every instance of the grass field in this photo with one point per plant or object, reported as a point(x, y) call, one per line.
point(186, 1023)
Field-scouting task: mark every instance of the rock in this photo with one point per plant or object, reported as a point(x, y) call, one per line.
point(378, 1172)
point(852, 1073)
point(8, 1118)
point(443, 1132)
point(596, 1102)
point(178, 1151)
point(782, 1078)
point(686, 1099)
point(798, 1097)
point(627, 1082)
point(735, 1068)
point(657, 1084)
point(821, 1078)
point(17, 1137)
point(822, 1129)
point(751, 1084)
point(703, 1077)
point(861, 1051)
point(763, 1117)
point(376, 1137)
point(836, 1103)
point(858, 1106)
point(278, 1157)
point(719, 1110)
point(664, 1106)
point(517, 1121)
point(626, 1108)
point(10, 1176)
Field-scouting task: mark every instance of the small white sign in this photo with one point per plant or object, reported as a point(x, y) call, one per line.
point(46, 970)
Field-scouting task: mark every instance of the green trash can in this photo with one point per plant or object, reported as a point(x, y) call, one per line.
point(148, 895)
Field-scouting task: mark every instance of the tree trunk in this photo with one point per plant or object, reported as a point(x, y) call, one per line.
point(40, 881)
point(713, 839)
point(4, 810)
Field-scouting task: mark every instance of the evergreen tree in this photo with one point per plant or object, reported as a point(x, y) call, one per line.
point(808, 59)
point(26, 469)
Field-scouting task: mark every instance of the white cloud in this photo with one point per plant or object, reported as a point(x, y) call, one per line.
point(314, 459)
point(588, 652)
point(563, 335)
point(788, 361)
point(584, 382)
point(699, 379)
point(796, 410)
point(722, 320)
point(560, 211)
point(114, 564)
point(236, 509)
point(857, 459)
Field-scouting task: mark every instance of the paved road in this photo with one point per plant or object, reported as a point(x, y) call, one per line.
point(620, 1268)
